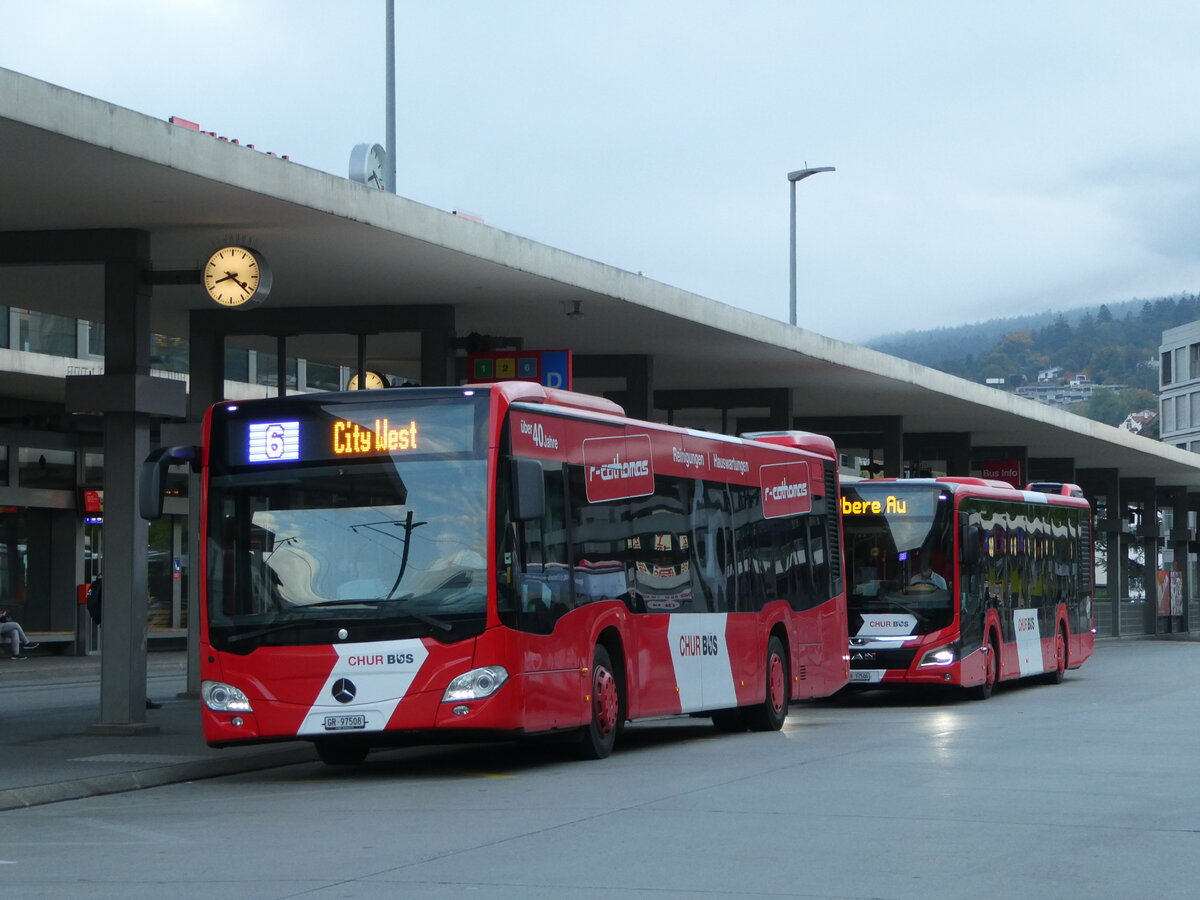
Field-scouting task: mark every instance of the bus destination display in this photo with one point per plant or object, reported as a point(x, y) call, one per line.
point(252, 438)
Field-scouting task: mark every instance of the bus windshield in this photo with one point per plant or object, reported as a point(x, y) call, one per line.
point(899, 558)
point(384, 546)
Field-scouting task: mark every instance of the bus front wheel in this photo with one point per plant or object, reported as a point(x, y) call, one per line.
point(600, 734)
point(991, 673)
point(1059, 672)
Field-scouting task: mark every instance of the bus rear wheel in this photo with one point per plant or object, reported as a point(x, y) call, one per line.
point(600, 734)
point(769, 715)
point(991, 673)
point(335, 752)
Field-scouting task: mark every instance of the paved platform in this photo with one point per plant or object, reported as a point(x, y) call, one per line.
point(48, 703)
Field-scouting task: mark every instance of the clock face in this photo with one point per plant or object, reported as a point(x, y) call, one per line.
point(376, 163)
point(372, 381)
point(368, 165)
point(234, 276)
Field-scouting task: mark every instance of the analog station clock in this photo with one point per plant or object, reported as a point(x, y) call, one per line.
point(371, 381)
point(368, 165)
point(236, 276)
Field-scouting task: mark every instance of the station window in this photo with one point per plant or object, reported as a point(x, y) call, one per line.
point(45, 333)
point(237, 364)
point(267, 370)
point(1166, 367)
point(170, 354)
point(322, 376)
point(41, 468)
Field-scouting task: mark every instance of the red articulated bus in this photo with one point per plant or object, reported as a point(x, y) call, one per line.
point(966, 581)
point(503, 560)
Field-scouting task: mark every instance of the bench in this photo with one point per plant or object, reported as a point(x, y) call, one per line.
point(51, 637)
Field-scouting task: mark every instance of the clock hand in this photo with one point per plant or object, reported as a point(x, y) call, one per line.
point(228, 276)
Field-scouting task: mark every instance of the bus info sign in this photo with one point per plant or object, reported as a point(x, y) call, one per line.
point(549, 368)
point(1008, 470)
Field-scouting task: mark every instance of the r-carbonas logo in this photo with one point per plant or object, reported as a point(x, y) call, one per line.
point(637, 468)
point(785, 491)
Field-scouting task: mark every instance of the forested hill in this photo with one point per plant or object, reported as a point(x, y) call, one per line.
point(1111, 344)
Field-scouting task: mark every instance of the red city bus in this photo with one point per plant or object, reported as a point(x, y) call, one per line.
point(966, 581)
point(504, 560)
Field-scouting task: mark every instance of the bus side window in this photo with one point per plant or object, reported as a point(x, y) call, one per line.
point(540, 588)
point(711, 555)
point(746, 508)
point(599, 545)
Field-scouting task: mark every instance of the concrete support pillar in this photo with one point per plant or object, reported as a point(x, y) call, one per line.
point(870, 436)
point(951, 448)
point(637, 370)
point(1052, 468)
point(437, 347)
point(126, 444)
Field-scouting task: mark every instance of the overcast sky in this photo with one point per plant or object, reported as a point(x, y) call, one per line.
point(992, 158)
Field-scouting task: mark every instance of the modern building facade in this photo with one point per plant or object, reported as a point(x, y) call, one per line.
point(1179, 380)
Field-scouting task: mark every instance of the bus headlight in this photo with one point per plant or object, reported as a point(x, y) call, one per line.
point(221, 697)
point(476, 684)
point(939, 656)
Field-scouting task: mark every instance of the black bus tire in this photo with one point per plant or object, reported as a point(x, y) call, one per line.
point(1059, 672)
point(606, 709)
point(769, 715)
point(992, 675)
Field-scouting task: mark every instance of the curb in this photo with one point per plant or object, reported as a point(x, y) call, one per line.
point(121, 782)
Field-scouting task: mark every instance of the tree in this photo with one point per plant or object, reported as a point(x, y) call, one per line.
point(1111, 407)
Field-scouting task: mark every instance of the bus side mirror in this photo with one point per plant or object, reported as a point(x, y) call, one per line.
point(529, 493)
point(969, 540)
point(154, 472)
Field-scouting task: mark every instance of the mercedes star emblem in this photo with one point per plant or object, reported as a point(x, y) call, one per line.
point(343, 690)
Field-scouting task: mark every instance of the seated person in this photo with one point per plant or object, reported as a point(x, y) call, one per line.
point(926, 581)
point(15, 634)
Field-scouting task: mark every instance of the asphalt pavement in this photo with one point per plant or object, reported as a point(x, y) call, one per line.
point(47, 754)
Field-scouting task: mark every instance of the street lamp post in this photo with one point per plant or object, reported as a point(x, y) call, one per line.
point(793, 177)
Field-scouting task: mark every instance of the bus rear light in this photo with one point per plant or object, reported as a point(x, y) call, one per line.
point(221, 697)
point(476, 684)
point(939, 656)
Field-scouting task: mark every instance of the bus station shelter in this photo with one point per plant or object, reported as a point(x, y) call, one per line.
point(108, 215)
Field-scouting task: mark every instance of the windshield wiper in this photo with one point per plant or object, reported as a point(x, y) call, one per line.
point(380, 601)
point(269, 629)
